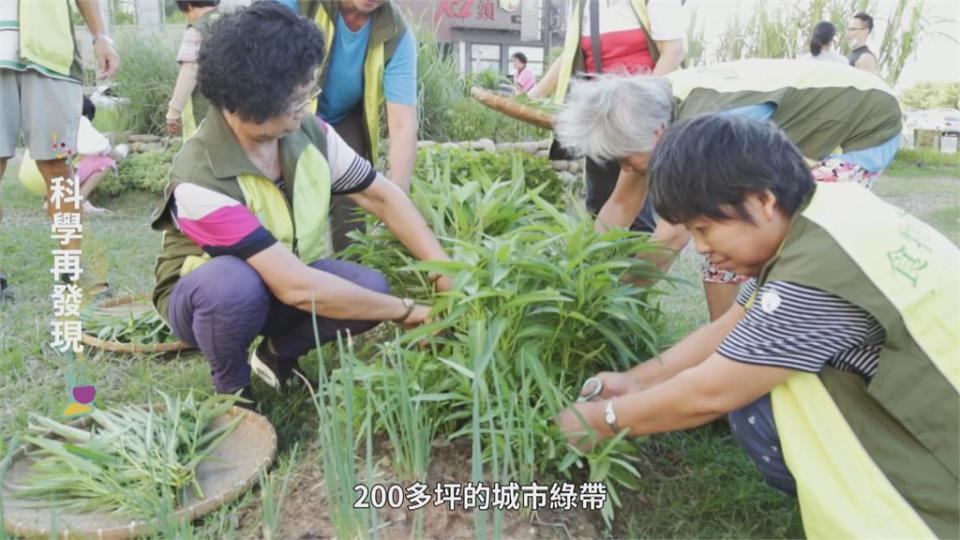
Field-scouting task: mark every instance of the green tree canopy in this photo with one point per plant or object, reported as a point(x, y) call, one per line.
point(932, 95)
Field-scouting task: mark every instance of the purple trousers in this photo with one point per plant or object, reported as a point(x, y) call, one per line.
point(224, 305)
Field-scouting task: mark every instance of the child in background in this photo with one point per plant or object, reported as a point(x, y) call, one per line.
point(187, 106)
point(96, 156)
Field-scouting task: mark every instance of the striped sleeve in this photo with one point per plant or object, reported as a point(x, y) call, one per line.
point(744, 296)
point(797, 327)
point(349, 171)
point(217, 223)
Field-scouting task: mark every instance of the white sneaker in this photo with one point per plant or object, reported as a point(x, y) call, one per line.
point(263, 371)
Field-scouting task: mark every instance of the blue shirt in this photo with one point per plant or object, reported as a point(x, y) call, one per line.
point(343, 89)
point(873, 159)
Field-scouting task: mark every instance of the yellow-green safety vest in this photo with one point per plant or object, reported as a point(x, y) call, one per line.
point(879, 458)
point(47, 39)
point(388, 28)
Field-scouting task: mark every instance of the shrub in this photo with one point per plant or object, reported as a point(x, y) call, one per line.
point(147, 77)
point(138, 172)
point(439, 87)
point(538, 305)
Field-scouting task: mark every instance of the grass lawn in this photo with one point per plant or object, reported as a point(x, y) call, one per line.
point(695, 484)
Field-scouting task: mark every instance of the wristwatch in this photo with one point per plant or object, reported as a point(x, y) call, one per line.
point(409, 304)
point(611, 417)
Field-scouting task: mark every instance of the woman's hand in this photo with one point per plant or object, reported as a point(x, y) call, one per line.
point(443, 283)
point(585, 433)
point(614, 384)
point(420, 315)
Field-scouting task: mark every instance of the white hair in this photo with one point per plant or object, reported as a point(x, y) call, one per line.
point(611, 116)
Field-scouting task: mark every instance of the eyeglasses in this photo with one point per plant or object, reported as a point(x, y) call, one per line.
point(852, 29)
point(314, 94)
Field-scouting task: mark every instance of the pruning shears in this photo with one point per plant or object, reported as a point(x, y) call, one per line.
point(597, 385)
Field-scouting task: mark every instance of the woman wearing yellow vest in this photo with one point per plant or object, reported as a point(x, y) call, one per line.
point(244, 217)
point(371, 64)
point(839, 364)
point(41, 82)
point(622, 37)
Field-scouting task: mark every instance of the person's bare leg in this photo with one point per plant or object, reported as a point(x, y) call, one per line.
point(58, 168)
point(720, 296)
point(671, 237)
point(87, 188)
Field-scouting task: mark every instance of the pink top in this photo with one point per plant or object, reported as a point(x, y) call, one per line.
point(525, 80)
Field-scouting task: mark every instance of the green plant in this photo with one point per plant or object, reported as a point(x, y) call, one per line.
point(146, 79)
point(138, 172)
point(134, 460)
point(271, 498)
point(439, 87)
point(337, 403)
point(538, 305)
point(146, 328)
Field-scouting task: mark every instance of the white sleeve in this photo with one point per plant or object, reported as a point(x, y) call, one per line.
point(666, 19)
point(90, 142)
point(349, 172)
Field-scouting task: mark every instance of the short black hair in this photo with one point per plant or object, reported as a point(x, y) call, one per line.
point(184, 5)
point(254, 58)
point(89, 109)
point(706, 162)
point(823, 33)
point(867, 19)
point(520, 56)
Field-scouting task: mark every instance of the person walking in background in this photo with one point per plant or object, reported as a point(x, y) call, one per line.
point(187, 105)
point(372, 59)
point(615, 36)
point(859, 30)
point(41, 85)
point(524, 80)
point(822, 41)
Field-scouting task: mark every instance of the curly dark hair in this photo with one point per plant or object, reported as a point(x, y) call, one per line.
point(255, 57)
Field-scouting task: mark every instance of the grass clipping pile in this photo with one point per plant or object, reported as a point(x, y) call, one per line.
point(128, 325)
point(135, 462)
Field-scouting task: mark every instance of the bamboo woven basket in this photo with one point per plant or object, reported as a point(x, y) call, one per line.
point(512, 108)
point(232, 468)
point(122, 307)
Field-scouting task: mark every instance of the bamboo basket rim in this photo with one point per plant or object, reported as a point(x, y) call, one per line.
point(508, 106)
point(256, 427)
point(130, 348)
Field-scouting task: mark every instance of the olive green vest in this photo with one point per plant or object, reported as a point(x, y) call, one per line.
point(822, 106)
point(196, 107)
point(388, 29)
point(877, 458)
point(572, 59)
point(213, 159)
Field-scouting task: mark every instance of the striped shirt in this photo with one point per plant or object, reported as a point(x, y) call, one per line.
point(803, 328)
point(222, 225)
